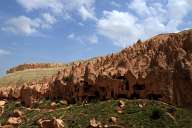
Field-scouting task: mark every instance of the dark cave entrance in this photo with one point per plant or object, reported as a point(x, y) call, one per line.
point(122, 96)
point(153, 96)
point(125, 81)
point(137, 88)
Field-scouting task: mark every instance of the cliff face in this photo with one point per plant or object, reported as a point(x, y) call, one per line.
point(159, 68)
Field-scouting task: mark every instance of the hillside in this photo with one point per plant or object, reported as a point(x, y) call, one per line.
point(28, 75)
point(135, 114)
point(159, 69)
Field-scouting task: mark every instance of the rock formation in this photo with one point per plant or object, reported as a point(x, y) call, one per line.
point(159, 68)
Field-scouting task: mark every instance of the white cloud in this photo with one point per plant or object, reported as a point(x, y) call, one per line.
point(115, 4)
point(54, 9)
point(85, 8)
point(48, 20)
point(22, 24)
point(93, 39)
point(54, 5)
point(86, 14)
point(27, 26)
point(71, 36)
point(4, 52)
point(124, 28)
point(120, 27)
point(140, 7)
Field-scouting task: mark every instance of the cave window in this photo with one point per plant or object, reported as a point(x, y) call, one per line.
point(97, 94)
point(126, 82)
point(139, 87)
point(121, 78)
point(85, 83)
point(122, 96)
point(112, 93)
point(102, 89)
point(86, 88)
point(154, 96)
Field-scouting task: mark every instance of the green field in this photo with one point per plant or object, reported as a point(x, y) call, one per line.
point(79, 115)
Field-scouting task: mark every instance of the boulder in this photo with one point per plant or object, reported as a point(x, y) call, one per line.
point(53, 123)
point(17, 113)
point(113, 119)
point(57, 123)
point(94, 123)
point(14, 120)
point(2, 103)
point(121, 104)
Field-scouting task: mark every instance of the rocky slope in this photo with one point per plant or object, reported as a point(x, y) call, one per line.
point(158, 68)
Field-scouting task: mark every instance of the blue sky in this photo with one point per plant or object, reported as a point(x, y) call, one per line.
point(66, 30)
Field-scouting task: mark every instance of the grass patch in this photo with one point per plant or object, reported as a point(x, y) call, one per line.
point(20, 77)
point(153, 115)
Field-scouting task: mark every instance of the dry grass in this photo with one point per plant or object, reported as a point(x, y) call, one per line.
point(20, 77)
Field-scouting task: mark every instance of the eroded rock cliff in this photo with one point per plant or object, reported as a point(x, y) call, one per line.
point(159, 68)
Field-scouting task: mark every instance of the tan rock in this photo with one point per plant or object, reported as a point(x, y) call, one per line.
point(63, 102)
point(94, 123)
point(7, 126)
point(121, 104)
point(2, 103)
point(14, 120)
point(53, 104)
point(113, 119)
point(53, 123)
point(119, 110)
point(17, 113)
point(57, 123)
point(44, 123)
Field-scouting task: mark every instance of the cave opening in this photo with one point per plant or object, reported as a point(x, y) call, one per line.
point(153, 96)
point(127, 85)
point(138, 87)
point(112, 94)
point(122, 96)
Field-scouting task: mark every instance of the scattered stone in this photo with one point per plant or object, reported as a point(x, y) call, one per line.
point(57, 123)
point(94, 123)
point(17, 113)
point(140, 105)
point(53, 123)
point(53, 104)
point(2, 103)
point(14, 120)
point(113, 120)
point(63, 102)
point(105, 126)
point(121, 104)
point(1, 110)
point(119, 110)
point(44, 123)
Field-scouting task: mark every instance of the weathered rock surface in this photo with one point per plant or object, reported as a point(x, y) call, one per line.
point(159, 68)
point(53, 123)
